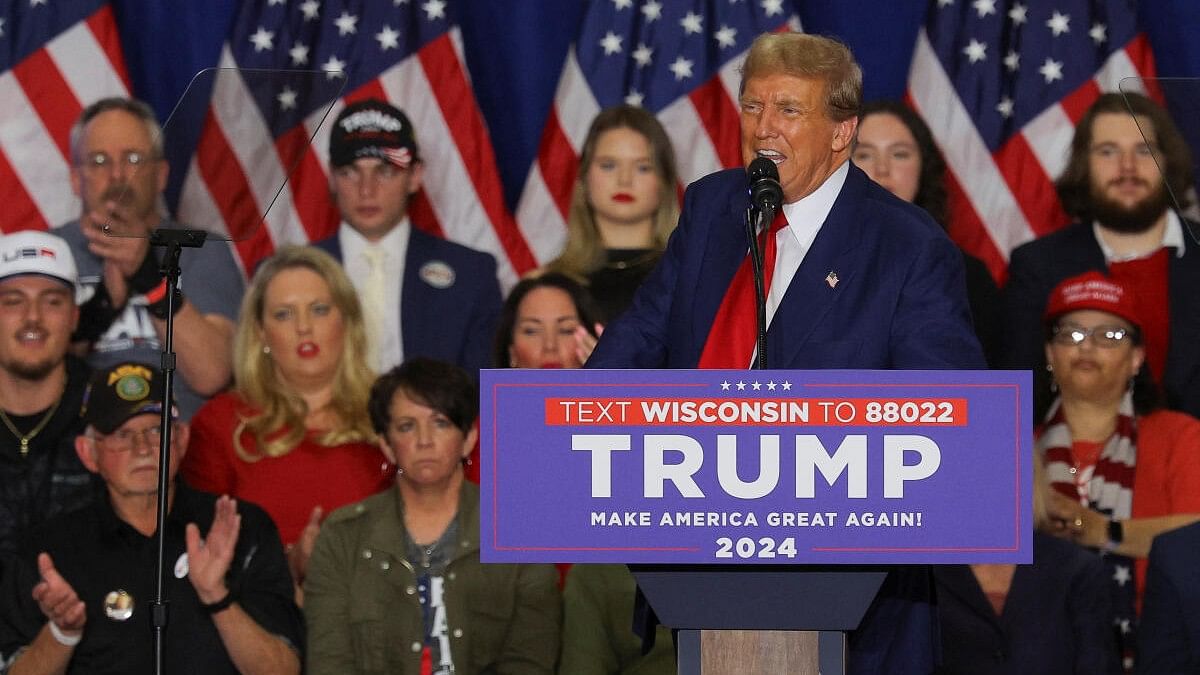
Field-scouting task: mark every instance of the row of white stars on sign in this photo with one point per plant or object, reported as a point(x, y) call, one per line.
point(347, 24)
point(756, 385)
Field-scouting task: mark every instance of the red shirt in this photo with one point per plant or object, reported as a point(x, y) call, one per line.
point(1146, 278)
point(287, 487)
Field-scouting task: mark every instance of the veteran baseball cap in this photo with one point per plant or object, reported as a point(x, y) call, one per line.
point(1092, 290)
point(372, 128)
point(40, 253)
point(119, 393)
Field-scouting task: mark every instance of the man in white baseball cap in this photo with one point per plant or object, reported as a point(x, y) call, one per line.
point(41, 387)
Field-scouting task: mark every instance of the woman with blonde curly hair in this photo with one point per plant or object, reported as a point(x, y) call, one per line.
point(294, 435)
point(624, 207)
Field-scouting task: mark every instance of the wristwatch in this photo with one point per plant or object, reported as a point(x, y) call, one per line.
point(1116, 535)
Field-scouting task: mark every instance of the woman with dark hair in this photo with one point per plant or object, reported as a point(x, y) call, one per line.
point(1121, 472)
point(395, 583)
point(548, 321)
point(896, 149)
point(623, 208)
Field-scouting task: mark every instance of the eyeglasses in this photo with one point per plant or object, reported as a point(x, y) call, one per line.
point(1108, 337)
point(100, 161)
point(128, 439)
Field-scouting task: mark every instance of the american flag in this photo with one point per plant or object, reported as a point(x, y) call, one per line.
point(678, 59)
point(407, 52)
point(55, 58)
point(1002, 85)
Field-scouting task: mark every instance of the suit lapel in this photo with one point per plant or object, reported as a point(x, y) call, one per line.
point(724, 251)
point(812, 293)
point(413, 321)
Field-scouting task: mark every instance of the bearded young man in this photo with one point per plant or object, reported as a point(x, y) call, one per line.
point(41, 386)
point(1127, 159)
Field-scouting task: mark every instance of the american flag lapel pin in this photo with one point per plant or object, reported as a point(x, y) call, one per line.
point(831, 279)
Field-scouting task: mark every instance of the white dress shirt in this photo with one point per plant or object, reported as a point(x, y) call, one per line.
point(805, 218)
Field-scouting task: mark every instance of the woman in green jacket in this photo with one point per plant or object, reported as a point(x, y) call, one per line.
point(395, 580)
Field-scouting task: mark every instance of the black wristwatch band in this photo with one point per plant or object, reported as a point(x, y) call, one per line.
point(219, 605)
point(1116, 533)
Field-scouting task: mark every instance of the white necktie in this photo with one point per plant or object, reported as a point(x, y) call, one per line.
point(374, 295)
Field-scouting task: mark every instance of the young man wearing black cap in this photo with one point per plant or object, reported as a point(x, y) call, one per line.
point(41, 387)
point(421, 295)
point(77, 599)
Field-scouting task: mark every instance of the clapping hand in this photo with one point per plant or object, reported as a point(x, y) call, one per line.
point(209, 558)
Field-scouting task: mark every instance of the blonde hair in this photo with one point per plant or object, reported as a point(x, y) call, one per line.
point(279, 426)
point(809, 56)
point(584, 251)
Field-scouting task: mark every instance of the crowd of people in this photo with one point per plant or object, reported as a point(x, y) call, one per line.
point(321, 506)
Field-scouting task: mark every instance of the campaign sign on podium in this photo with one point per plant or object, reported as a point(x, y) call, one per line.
point(766, 467)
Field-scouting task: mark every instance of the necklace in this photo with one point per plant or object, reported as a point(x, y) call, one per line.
point(633, 261)
point(37, 429)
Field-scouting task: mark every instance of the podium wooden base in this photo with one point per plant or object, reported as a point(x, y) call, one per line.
point(766, 652)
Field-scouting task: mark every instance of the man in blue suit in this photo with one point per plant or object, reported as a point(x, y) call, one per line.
point(860, 279)
point(421, 295)
point(863, 279)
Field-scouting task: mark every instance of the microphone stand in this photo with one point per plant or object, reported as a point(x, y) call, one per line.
point(173, 241)
point(764, 219)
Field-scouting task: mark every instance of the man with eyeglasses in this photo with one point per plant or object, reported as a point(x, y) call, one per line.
point(119, 173)
point(77, 599)
point(421, 295)
point(41, 386)
point(1121, 173)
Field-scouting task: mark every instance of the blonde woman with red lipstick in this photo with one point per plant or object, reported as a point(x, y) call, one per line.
point(294, 435)
point(623, 209)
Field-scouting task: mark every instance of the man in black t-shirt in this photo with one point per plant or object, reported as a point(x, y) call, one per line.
point(41, 388)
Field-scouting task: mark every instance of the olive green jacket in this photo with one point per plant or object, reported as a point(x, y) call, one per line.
point(598, 637)
point(364, 612)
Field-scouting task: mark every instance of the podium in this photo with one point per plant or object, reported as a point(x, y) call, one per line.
point(764, 514)
point(777, 619)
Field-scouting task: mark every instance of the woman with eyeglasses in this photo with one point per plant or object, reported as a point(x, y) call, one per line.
point(1120, 472)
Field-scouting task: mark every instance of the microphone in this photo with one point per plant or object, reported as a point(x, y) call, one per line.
point(766, 194)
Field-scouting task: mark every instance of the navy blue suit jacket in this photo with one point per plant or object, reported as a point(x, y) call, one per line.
point(899, 301)
point(1035, 268)
point(1169, 633)
point(1057, 617)
point(456, 323)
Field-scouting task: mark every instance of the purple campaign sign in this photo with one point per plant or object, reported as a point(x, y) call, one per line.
point(735, 466)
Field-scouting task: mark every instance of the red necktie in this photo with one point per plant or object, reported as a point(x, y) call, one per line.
point(731, 340)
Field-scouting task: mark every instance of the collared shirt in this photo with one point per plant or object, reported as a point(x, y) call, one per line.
point(1172, 238)
point(805, 218)
point(389, 350)
point(101, 555)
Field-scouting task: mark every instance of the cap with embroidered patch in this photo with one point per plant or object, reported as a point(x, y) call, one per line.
point(117, 394)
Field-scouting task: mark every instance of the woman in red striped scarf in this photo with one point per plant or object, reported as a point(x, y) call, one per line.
point(1120, 472)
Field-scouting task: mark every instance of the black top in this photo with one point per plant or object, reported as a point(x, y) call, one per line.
point(98, 554)
point(613, 285)
point(49, 479)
